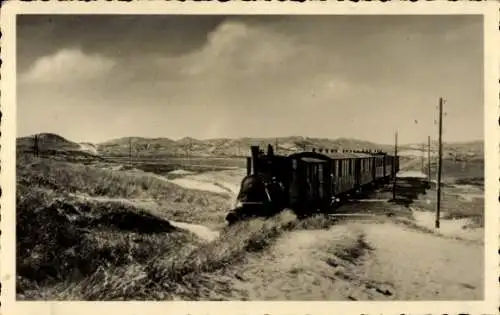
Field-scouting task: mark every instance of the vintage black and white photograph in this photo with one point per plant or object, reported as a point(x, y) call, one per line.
point(203, 157)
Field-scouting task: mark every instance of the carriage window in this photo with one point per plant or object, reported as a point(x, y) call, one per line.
point(294, 164)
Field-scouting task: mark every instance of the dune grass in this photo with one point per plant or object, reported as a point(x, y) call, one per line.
point(109, 246)
point(77, 178)
point(63, 239)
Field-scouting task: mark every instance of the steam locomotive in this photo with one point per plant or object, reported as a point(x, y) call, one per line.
point(307, 181)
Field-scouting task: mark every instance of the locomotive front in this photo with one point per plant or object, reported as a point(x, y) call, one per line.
point(261, 194)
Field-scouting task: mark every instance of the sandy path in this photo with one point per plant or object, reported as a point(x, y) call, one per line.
point(359, 261)
point(452, 228)
point(303, 265)
point(423, 266)
point(221, 182)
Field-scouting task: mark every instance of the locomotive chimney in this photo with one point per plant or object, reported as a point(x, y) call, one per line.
point(270, 150)
point(255, 155)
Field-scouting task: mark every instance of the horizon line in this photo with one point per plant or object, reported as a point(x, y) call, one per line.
point(249, 137)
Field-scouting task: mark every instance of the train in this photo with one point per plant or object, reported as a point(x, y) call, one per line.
point(307, 181)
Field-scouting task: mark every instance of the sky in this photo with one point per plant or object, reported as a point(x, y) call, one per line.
point(98, 77)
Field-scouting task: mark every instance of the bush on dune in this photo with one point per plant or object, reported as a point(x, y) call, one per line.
point(65, 241)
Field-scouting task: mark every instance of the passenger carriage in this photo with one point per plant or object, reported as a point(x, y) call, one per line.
point(310, 182)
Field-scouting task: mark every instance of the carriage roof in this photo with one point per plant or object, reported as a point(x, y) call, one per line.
point(310, 157)
point(347, 155)
point(331, 155)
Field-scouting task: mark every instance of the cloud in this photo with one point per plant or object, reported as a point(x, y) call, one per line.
point(240, 64)
point(237, 49)
point(67, 66)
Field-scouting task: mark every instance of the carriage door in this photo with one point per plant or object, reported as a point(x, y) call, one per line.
point(319, 181)
point(322, 181)
point(357, 171)
point(295, 192)
point(312, 178)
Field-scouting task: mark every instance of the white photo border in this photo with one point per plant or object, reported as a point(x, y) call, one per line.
point(489, 10)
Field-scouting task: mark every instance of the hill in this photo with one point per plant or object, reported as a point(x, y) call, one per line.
point(226, 146)
point(453, 150)
point(56, 145)
point(141, 146)
point(49, 141)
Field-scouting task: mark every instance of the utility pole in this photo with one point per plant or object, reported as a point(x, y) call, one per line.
point(130, 148)
point(35, 146)
point(394, 166)
point(188, 149)
point(422, 160)
point(429, 158)
point(440, 162)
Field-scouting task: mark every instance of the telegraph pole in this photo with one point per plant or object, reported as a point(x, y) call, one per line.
point(394, 166)
point(129, 148)
point(429, 158)
point(35, 145)
point(440, 161)
point(422, 162)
